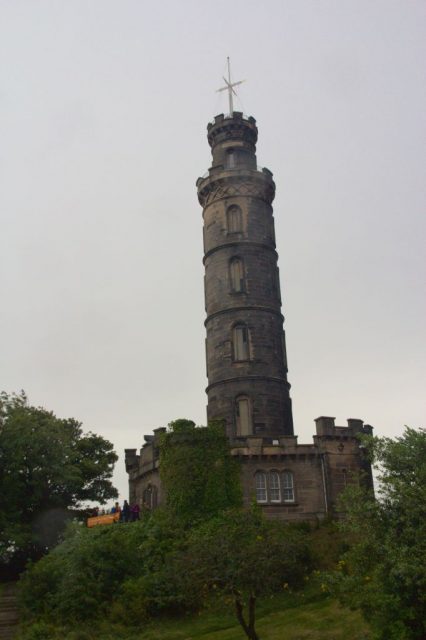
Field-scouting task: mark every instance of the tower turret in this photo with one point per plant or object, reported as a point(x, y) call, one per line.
point(245, 344)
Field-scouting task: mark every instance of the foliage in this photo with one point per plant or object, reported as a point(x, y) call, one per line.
point(136, 571)
point(47, 466)
point(161, 565)
point(242, 550)
point(246, 555)
point(285, 616)
point(120, 570)
point(78, 578)
point(384, 572)
point(197, 470)
point(163, 584)
point(235, 551)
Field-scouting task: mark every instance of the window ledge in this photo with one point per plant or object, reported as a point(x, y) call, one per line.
point(279, 504)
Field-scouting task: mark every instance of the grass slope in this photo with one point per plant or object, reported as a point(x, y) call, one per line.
point(281, 619)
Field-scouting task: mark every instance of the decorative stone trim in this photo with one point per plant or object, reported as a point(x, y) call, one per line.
point(240, 243)
point(233, 310)
point(254, 185)
point(248, 378)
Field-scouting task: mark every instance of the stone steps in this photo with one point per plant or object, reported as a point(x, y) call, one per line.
point(9, 616)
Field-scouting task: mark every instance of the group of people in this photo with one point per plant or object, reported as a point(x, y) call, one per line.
point(127, 513)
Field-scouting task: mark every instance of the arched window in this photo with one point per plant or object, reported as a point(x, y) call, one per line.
point(260, 484)
point(240, 341)
point(150, 497)
point(288, 486)
point(146, 498)
point(236, 270)
point(234, 220)
point(274, 487)
point(243, 416)
point(230, 159)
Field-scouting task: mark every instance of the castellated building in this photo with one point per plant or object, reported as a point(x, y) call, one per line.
point(246, 350)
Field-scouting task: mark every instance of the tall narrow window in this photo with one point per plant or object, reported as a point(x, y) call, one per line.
point(243, 416)
point(230, 159)
point(154, 498)
point(241, 342)
point(288, 486)
point(236, 268)
point(234, 219)
point(276, 283)
point(284, 350)
point(260, 484)
point(150, 497)
point(274, 487)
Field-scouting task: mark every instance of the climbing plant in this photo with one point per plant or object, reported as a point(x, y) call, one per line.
point(199, 475)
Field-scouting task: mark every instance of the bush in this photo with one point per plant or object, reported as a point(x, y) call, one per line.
point(384, 572)
point(156, 566)
point(80, 577)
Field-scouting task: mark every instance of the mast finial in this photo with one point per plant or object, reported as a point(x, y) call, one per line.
point(230, 88)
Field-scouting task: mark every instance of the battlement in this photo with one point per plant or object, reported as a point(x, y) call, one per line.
point(147, 458)
point(238, 116)
point(325, 427)
point(232, 128)
point(131, 459)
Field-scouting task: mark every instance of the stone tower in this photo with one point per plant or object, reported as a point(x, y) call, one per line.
point(245, 344)
point(246, 355)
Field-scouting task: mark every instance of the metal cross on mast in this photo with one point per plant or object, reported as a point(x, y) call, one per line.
point(230, 88)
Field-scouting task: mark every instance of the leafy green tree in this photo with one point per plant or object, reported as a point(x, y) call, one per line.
point(197, 470)
point(47, 466)
point(243, 554)
point(384, 572)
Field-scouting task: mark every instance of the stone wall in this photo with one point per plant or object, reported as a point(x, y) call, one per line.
point(320, 471)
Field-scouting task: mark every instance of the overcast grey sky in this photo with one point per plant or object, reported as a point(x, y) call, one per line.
point(103, 113)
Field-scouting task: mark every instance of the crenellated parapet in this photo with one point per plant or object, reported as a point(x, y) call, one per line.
point(232, 128)
point(326, 428)
point(234, 171)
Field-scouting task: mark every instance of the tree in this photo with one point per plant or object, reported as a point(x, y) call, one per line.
point(384, 572)
point(47, 467)
point(239, 552)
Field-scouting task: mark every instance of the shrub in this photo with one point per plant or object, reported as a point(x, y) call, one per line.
point(384, 571)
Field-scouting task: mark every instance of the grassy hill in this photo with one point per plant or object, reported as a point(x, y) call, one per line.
point(280, 618)
point(323, 620)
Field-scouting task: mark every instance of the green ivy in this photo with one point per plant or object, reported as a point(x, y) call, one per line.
point(200, 476)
